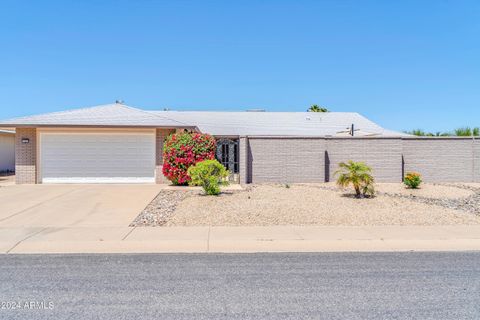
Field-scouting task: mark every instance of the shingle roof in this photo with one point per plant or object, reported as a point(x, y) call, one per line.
point(279, 123)
point(104, 115)
point(215, 123)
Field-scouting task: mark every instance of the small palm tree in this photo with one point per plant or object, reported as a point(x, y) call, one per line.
point(357, 174)
point(316, 108)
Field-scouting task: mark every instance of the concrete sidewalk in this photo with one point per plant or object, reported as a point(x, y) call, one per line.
point(238, 239)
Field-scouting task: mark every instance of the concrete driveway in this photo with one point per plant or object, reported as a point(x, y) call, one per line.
point(50, 214)
point(6, 180)
point(73, 205)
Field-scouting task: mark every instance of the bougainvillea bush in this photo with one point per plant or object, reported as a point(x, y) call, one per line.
point(182, 150)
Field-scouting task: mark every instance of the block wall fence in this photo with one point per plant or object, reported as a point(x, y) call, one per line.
point(290, 160)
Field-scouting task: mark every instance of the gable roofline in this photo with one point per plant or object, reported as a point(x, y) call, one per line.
point(150, 113)
point(279, 123)
point(218, 123)
point(52, 113)
point(108, 115)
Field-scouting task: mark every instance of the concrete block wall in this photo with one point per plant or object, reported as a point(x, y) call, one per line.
point(476, 160)
point(160, 136)
point(287, 160)
point(26, 156)
point(383, 155)
point(243, 150)
point(306, 159)
point(440, 160)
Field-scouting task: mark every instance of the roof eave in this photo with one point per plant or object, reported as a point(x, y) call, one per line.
point(23, 125)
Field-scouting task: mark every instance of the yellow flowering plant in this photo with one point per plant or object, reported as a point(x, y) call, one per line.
point(412, 180)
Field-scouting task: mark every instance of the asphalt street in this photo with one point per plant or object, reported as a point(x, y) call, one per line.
point(241, 286)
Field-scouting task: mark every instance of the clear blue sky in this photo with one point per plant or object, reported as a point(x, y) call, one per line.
point(404, 64)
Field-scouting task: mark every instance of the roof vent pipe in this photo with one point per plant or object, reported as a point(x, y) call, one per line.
point(119, 101)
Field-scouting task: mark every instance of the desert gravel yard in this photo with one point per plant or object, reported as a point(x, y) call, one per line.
point(437, 191)
point(317, 204)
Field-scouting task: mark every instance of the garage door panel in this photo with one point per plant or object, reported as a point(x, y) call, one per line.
point(97, 158)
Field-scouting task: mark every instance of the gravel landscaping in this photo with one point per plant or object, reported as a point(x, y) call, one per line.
point(316, 204)
point(161, 208)
point(470, 203)
point(435, 191)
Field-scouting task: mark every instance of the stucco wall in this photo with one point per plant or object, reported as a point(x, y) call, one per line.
point(440, 160)
point(25, 156)
point(383, 155)
point(287, 160)
point(7, 152)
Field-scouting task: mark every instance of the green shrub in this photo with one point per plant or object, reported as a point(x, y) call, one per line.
point(209, 174)
point(412, 180)
point(358, 174)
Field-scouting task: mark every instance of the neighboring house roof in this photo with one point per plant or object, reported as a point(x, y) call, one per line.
point(109, 115)
point(280, 123)
point(215, 123)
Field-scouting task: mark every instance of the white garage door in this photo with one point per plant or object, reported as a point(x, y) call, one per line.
point(97, 157)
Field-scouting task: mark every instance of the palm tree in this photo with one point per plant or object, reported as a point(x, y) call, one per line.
point(443, 134)
point(417, 132)
point(467, 132)
point(421, 133)
point(316, 108)
point(463, 132)
point(357, 174)
point(460, 132)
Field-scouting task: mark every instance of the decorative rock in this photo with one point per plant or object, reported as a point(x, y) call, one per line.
point(161, 208)
point(469, 204)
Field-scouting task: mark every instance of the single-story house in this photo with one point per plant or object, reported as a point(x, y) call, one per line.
point(7, 150)
point(116, 143)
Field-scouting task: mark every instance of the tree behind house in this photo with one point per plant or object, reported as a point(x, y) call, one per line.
point(316, 108)
point(467, 132)
point(460, 132)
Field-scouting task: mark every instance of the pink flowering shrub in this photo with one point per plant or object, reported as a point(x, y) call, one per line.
point(182, 150)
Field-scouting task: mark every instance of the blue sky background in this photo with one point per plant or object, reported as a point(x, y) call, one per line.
point(404, 64)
